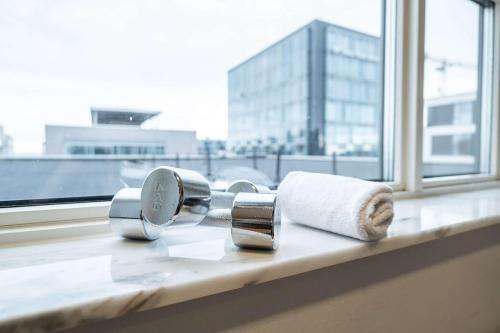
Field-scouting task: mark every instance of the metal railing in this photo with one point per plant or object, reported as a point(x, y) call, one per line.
point(44, 179)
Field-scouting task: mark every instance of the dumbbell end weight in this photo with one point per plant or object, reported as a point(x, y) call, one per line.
point(256, 221)
point(174, 195)
point(125, 216)
point(168, 197)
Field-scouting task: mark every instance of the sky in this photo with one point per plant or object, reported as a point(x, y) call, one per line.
point(453, 37)
point(61, 57)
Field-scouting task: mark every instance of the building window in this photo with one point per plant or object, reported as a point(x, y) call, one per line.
point(457, 111)
point(113, 149)
point(443, 145)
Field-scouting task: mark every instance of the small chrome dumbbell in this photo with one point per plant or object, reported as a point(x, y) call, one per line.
point(173, 197)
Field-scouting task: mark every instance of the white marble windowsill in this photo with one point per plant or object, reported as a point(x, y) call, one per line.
point(45, 287)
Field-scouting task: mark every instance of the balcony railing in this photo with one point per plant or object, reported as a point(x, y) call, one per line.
point(46, 179)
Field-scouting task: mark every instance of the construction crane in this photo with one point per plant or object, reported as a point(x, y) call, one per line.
point(443, 66)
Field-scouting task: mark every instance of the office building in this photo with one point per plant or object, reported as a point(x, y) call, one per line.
point(118, 132)
point(450, 133)
point(316, 91)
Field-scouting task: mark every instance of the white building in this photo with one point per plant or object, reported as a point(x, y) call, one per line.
point(450, 130)
point(5, 143)
point(118, 132)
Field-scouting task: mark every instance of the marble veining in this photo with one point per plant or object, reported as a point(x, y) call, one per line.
point(47, 287)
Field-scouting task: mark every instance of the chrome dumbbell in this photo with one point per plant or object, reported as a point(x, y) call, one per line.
point(173, 197)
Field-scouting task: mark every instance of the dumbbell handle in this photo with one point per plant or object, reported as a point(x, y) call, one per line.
point(219, 201)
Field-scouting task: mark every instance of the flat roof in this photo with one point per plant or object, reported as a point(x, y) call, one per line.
point(121, 116)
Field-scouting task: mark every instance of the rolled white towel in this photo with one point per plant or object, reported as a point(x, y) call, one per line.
point(344, 205)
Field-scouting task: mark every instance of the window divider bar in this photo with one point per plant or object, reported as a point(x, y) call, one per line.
point(412, 93)
point(495, 130)
point(392, 68)
point(394, 108)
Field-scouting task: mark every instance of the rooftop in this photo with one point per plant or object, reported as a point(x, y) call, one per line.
point(120, 116)
point(315, 21)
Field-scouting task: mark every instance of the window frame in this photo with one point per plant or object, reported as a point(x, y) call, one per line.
point(489, 99)
point(411, 45)
point(404, 37)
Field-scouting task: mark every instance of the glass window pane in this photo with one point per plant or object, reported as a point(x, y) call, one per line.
point(96, 94)
point(453, 90)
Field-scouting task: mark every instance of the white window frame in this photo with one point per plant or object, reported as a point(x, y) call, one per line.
point(404, 60)
point(409, 153)
point(490, 105)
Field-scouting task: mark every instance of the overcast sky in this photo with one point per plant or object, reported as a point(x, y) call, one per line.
point(60, 57)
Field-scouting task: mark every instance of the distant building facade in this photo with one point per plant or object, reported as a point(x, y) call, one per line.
point(215, 147)
point(316, 91)
point(5, 143)
point(451, 130)
point(118, 132)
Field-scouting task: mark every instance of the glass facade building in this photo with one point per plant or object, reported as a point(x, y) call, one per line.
point(315, 92)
